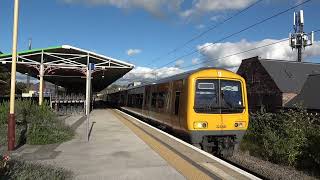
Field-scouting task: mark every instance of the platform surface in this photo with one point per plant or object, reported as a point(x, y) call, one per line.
point(113, 152)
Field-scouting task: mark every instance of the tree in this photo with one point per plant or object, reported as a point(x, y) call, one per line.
point(21, 87)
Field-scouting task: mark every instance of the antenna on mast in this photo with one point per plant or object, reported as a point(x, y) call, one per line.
point(30, 44)
point(299, 39)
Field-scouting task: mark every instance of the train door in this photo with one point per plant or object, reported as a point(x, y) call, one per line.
point(177, 103)
point(147, 100)
point(177, 110)
point(233, 101)
point(169, 104)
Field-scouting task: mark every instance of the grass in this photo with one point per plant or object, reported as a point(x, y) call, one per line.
point(22, 170)
point(3, 136)
point(57, 132)
point(36, 125)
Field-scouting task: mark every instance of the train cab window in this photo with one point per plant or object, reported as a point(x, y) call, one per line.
point(231, 96)
point(176, 103)
point(206, 96)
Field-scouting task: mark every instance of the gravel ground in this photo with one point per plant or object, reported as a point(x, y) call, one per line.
point(267, 169)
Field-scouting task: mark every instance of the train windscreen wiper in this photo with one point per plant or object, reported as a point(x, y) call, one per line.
point(206, 107)
point(233, 107)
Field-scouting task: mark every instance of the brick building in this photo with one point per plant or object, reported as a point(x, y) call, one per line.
point(309, 94)
point(275, 83)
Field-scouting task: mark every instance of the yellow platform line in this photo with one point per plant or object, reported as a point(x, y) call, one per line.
point(181, 165)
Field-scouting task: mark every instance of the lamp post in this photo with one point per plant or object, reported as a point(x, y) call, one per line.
point(11, 118)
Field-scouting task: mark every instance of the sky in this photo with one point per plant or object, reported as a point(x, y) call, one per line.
point(145, 32)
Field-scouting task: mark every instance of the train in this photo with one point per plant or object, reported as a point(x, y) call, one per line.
point(206, 107)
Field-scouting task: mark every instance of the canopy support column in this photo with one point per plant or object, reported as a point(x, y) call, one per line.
point(41, 80)
point(88, 95)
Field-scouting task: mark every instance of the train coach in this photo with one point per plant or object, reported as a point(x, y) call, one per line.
point(207, 107)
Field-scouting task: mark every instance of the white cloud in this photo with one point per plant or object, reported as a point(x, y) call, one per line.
point(206, 6)
point(146, 74)
point(156, 7)
point(200, 26)
point(186, 13)
point(216, 18)
point(299, 1)
point(23, 78)
point(280, 51)
point(195, 60)
point(179, 63)
point(132, 52)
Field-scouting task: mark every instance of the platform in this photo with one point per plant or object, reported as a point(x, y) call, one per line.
point(123, 147)
point(113, 152)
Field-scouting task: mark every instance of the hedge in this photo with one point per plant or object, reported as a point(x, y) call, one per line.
point(289, 137)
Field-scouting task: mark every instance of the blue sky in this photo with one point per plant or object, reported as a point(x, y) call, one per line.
point(151, 29)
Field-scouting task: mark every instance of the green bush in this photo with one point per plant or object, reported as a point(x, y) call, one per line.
point(40, 123)
point(40, 133)
point(45, 128)
point(290, 137)
point(4, 112)
point(22, 170)
point(3, 136)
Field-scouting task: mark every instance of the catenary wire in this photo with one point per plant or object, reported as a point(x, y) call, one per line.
point(238, 32)
point(205, 32)
point(234, 54)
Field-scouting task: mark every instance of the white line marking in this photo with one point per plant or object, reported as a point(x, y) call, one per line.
point(248, 175)
point(218, 171)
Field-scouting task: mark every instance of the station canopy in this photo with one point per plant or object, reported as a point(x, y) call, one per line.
point(66, 66)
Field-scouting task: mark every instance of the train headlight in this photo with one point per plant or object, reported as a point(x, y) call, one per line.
point(200, 125)
point(239, 124)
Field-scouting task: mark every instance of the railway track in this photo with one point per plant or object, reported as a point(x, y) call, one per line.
point(190, 161)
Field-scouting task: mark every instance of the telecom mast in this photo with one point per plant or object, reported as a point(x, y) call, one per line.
point(299, 39)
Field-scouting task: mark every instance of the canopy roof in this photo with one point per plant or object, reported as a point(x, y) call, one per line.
point(66, 66)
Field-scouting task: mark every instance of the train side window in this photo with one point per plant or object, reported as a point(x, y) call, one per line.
point(176, 103)
point(154, 100)
point(161, 99)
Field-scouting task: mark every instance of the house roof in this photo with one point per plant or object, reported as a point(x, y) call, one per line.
point(308, 96)
point(289, 76)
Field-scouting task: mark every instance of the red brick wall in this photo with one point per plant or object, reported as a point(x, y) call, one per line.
point(262, 90)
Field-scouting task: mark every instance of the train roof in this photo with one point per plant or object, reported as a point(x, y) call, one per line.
point(175, 77)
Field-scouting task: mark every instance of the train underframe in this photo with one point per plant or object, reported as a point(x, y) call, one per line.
point(221, 143)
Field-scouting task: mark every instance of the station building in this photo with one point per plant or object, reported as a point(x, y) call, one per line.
point(69, 67)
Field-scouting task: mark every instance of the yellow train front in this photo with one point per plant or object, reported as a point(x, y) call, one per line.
point(206, 107)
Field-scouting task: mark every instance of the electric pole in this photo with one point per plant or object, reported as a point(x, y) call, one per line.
point(299, 39)
point(11, 118)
